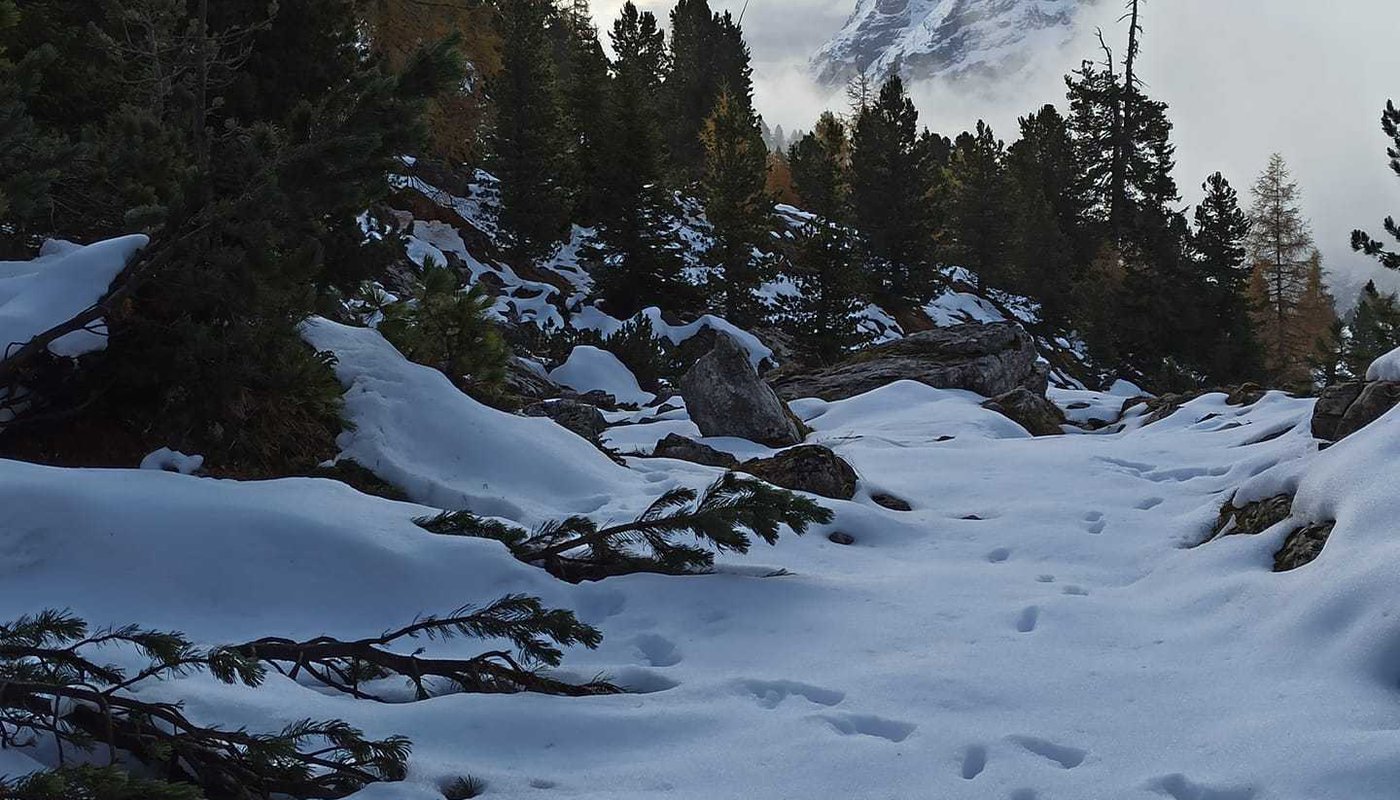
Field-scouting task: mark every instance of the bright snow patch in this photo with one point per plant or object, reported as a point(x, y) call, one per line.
point(58, 285)
point(957, 308)
point(589, 368)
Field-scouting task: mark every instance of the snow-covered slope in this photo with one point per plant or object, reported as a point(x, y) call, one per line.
point(1038, 626)
point(943, 38)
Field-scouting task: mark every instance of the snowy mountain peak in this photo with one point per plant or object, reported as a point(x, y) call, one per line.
point(944, 38)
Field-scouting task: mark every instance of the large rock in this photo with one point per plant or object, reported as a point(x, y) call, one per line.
point(679, 447)
point(725, 397)
point(809, 468)
point(581, 418)
point(990, 360)
point(1371, 404)
point(1331, 406)
point(1029, 410)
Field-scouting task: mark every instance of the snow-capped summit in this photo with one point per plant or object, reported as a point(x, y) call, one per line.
point(944, 38)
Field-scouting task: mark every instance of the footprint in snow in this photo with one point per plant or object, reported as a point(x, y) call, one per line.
point(1076, 591)
point(1023, 794)
point(974, 760)
point(771, 694)
point(1149, 503)
point(1094, 522)
point(999, 555)
point(1026, 622)
point(869, 725)
point(657, 651)
point(1067, 757)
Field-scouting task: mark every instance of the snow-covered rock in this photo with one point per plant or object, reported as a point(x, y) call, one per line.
point(590, 369)
point(990, 359)
point(172, 461)
point(417, 431)
point(1385, 368)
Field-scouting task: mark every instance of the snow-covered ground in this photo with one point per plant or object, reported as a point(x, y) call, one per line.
point(1038, 626)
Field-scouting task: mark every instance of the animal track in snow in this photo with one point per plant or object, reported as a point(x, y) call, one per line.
point(1094, 522)
point(657, 651)
point(999, 555)
point(869, 725)
point(1026, 622)
point(1148, 503)
point(1179, 787)
point(770, 694)
point(974, 760)
point(1045, 578)
point(1067, 757)
point(1077, 591)
point(1023, 794)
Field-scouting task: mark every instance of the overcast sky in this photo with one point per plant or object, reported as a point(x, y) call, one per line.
point(1244, 78)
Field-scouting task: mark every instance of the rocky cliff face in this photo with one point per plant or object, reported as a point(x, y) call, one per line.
point(944, 38)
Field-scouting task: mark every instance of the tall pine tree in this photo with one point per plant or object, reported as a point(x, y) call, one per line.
point(708, 56)
point(979, 208)
point(1220, 244)
point(889, 192)
point(1286, 286)
point(641, 256)
point(532, 151)
point(736, 204)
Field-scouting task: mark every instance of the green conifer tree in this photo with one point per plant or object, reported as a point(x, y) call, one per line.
point(531, 143)
point(641, 261)
point(1360, 240)
point(889, 191)
point(979, 208)
point(736, 205)
point(1220, 244)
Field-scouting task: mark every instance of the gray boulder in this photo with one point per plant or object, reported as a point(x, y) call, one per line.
point(1031, 411)
point(725, 397)
point(1371, 404)
point(679, 447)
point(809, 468)
point(1331, 406)
point(990, 360)
point(581, 418)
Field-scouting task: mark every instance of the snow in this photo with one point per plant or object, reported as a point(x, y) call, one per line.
point(591, 318)
point(1042, 624)
point(1385, 368)
point(414, 429)
point(65, 280)
point(588, 368)
point(957, 308)
point(172, 461)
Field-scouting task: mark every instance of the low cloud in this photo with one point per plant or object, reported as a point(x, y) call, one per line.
point(1244, 78)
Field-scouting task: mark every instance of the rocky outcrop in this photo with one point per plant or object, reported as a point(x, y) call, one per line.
point(581, 418)
point(1303, 546)
point(725, 397)
point(1031, 411)
point(679, 447)
point(990, 360)
point(1253, 518)
point(809, 468)
point(525, 381)
point(1345, 408)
